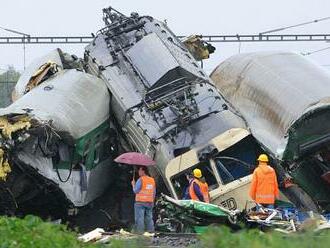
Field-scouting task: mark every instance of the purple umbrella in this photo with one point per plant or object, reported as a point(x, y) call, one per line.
point(135, 158)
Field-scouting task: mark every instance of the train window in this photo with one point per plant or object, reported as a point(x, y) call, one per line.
point(231, 169)
point(181, 183)
point(237, 160)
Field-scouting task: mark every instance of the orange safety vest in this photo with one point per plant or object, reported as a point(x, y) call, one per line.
point(264, 186)
point(148, 187)
point(204, 190)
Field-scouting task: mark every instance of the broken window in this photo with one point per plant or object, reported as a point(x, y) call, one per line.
point(181, 183)
point(231, 170)
point(237, 161)
point(64, 158)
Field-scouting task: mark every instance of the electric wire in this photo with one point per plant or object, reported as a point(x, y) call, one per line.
point(294, 26)
point(316, 51)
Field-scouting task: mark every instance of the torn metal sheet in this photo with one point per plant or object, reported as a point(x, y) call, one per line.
point(57, 56)
point(184, 215)
point(199, 48)
point(43, 73)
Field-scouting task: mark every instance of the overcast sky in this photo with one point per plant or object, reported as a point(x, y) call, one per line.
point(184, 17)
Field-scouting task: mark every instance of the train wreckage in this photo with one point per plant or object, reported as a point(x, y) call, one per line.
point(138, 88)
point(285, 100)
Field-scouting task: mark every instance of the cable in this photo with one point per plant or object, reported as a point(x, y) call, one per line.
point(316, 51)
point(106, 214)
point(59, 176)
point(250, 167)
point(294, 26)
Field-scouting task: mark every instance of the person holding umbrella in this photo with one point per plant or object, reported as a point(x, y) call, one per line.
point(145, 192)
point(144, 189)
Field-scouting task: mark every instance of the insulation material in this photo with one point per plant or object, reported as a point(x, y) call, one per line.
point(4, 166)
point(8, 127)
point(43, 73)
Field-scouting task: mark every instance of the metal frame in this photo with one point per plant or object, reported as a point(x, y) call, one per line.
point(6, 40)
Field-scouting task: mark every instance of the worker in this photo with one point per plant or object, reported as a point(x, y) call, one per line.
point(145, 192)
point(185, 194)
point(205, 190)
point(198, 190)
point(264, 188)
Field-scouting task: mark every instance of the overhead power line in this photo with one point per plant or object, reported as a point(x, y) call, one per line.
point(294, 26)
point(14, 31)
point(24, 39)
point(316, 51)
point(208, 38)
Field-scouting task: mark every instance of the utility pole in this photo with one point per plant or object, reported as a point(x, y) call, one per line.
point(25, 39)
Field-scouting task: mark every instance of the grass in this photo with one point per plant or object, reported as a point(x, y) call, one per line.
point(222, 237)
point(33, 232)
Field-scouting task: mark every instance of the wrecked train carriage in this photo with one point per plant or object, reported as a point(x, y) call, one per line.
point(60, 158)
point(285, 100)
point(164, 104)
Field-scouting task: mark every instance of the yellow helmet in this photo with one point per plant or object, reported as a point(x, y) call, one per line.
point(263, 158)
point(197, 173)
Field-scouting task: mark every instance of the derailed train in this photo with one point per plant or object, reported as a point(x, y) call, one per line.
point(137, 88)
point(285, 100)
point(54, 144)
point(160, 102)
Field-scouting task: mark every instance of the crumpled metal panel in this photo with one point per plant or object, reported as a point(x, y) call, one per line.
point(52, 56)
point(67, 99)
point(273, 90)
point(97, 179)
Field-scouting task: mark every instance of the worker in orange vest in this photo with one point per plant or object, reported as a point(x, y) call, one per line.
point(198, 188)
point(145, 192)
point(264, 188)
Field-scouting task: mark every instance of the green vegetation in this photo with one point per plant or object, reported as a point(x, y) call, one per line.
point(11, 75)
point(8, 80)
point(223, 237)
point(33, 232)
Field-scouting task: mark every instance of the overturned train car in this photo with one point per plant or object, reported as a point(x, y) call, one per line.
point(164, 104)
point(285, 100)
point(54, 146)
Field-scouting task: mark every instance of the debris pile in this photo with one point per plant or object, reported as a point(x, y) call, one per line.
point(11, 125)
point(285, 219)
point(193, 216)
point(99, 235)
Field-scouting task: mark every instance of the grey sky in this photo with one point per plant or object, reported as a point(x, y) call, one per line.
point(81, 17)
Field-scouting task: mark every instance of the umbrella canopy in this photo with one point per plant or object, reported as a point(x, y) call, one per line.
point(135, 158)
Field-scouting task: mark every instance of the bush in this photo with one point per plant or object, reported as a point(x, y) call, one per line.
point(223, 237)
point(33, 232)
